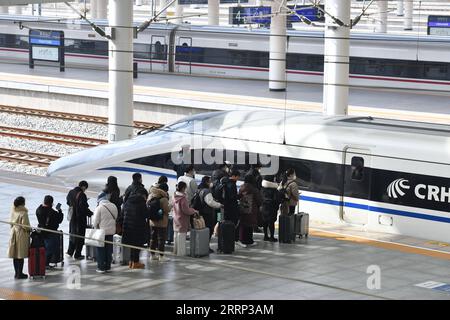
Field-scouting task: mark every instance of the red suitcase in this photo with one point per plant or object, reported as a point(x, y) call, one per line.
point(36, 263)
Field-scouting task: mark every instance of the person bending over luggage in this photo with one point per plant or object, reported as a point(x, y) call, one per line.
point(207, 206)
point(159, 227)
point(134, 187)
point(189, 180)
point(77, 199)
point(113, 191)
point(289, 188)
point(230, 199)
point(181, 219)
point(134, 223)
point(249, 203)
point(48, 218)
point(105, 217)
point(269, 207)
point(19, 242)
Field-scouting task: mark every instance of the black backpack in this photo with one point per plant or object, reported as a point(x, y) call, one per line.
point(219, 189)
point(196, 201)
point(156, 212)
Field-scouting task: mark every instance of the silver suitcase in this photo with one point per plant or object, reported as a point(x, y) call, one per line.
point(302, 224)
point(121, 255)
point(199, 242)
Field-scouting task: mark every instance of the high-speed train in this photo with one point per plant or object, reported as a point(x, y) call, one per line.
point(376, 60)
point(382, 175)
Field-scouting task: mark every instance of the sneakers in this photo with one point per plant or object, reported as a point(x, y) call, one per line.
point(273, 239)
point(80, 258)
point(154, 257)
point(137, 265)
point(266, 239)
point(163, 259)
point(68, 255)
point(21, 276)
point(240, 244)
point(253, 244)
point(100, 271)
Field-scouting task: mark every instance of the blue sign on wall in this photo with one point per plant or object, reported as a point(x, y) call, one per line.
point(311, 13)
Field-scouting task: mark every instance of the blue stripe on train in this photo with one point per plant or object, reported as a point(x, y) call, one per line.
point(315, 199)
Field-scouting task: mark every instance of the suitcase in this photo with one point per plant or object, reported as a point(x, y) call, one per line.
point(302, 224)
point(59, 257)
point(226, 237)
point(170, 230)
point(199, 242)
point(286, 230)
point(121, 255)
point(91, 252)
point(36, 262)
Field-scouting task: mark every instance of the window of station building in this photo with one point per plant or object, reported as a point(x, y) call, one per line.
point(357, 168)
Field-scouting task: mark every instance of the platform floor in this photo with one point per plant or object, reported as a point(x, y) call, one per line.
point(327, 265)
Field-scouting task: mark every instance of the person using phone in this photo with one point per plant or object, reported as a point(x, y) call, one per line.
point(50, 219)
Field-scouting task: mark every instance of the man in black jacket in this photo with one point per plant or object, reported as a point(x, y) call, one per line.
point(134, 187)
point(50, 219)
point(255, 172)
point(77, 199)
point(230, 203)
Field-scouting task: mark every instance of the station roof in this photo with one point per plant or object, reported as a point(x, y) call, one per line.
point(24, 2)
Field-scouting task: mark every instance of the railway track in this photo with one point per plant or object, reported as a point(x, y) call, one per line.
point(71, 116)
point(28, 158)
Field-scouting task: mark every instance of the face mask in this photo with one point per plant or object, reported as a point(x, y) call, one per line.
point(294, 177)
point(210, 184)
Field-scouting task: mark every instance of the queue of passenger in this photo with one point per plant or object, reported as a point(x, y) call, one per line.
point(217, 198)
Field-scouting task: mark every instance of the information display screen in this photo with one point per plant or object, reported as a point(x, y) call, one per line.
point(46, 37)
point(45, 53)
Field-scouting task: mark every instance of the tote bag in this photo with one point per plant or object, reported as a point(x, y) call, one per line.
point(96, 238)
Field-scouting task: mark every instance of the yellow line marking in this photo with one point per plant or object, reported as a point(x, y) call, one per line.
point(10, 294)
point(381, 244)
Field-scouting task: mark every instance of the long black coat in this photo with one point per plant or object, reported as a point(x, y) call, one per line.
point(270, 204)
point(133, 219)
point(133, 189)
point(48, 218)
point(81, 211)
point(230, 205)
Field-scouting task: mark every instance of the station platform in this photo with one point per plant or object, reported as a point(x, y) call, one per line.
point(332, 263)
point(164, 98)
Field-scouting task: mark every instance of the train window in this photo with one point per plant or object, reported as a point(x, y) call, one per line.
point(88, 47)
point(357, 168)
point(141, 51)
point(13, 41)
point(304, 62)
point(302, 169)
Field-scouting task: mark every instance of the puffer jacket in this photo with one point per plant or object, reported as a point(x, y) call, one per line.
point(105, 217)
point(252, 218)
point(133, 219)
point(48, 218)
point(181, 213)
point(155, 192)
point(19, 241)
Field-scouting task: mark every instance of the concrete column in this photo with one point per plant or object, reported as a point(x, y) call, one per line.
point(336, 58)
point(139, 2)
point(18, 10)
point(277, 55)
point(178, 13)
point(399, 8)
point(102, 9)
point(120, 108)
point(94, 11)
point(213, 12)
point(4, 9)
point(409, 7)
point(381, 22)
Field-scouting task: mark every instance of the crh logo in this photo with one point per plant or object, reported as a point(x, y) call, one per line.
point(395, 189)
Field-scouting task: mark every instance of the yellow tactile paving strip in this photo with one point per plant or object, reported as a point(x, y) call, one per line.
point(9, 294)
point(226, 98)
point(381, 244)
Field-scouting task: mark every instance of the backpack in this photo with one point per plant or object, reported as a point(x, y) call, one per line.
point(283, 195)
point(196, 201)
point(219, 189)
point(156, 212)
point(246, 204)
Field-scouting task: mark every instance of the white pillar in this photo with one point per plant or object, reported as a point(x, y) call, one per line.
point(139, 2)
point(409, 7)
point(381, 22)
point(102, 9)
point(94, 11)
point(121, 71)
point(4, 9)
point(178, 13)
point(213, 12)
point(277, 55)
point(18, 10)
point(162, 4)
point(399, 8)
point(336, 58)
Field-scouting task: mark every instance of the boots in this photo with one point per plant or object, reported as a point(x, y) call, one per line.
point(137, 265)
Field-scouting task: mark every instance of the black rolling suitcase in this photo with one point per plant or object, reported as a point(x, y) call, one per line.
point(286, 229)
point(170, 230)
point(226, 237)
point(59, 256)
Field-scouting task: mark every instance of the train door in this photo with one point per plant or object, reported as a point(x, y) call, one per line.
point(158, 54)
point(183, 55)
point(357, 185)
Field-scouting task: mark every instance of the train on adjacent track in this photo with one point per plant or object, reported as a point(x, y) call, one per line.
point(382, 175)
point(386, 61)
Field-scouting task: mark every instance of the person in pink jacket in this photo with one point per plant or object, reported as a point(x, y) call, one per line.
point(181, 219)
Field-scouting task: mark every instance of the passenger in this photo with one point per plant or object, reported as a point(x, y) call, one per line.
point(134, 187)
point(19, 241)
point(113, 190)
point(255, 172)
point(76, 198)
point(289, 187)
point(250, 201)
point(219, 173)
point(181, 218)
point(161, 179)
point(133, 221)
point(159, 227)
point(189, 180)
point(230, 203)
point(105, 217)
point(269, 207)
point(208, 205)
point(50, 219)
